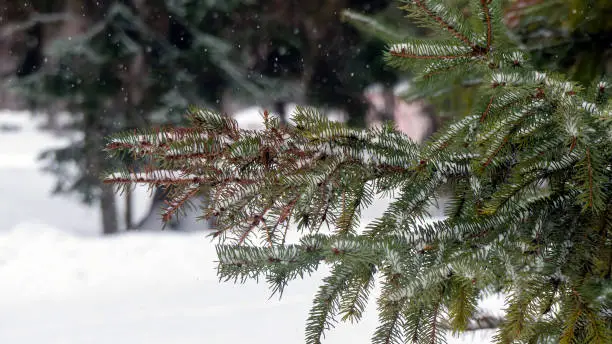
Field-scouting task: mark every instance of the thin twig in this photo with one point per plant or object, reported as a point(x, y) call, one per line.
point(404, 54)
point(487, 110)
point(487, 13)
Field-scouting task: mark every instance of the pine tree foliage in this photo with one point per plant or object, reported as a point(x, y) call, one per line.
point(530, 211)
point(566, 35)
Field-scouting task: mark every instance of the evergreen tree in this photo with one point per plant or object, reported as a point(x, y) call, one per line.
point(304, 41)
point(528, 168)
point(21, 37)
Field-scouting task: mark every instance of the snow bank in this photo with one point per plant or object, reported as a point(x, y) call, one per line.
point(145, 287)
point(31, 141)
point(44, 262)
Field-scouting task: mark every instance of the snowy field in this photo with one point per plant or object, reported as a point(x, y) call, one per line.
point(60, 282)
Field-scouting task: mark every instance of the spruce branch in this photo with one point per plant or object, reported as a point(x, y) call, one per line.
point(391, 322)
point(437, 12)
point(434, 335)
point(327, 304)
point(463, 303)
point(487, 18)
point(178, 202)
point(487, 110)
point(432, 52)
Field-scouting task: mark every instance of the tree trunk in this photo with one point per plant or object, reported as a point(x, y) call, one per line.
point(128, 209)
point(108, 209)
point(94, 143)
point(129, 102)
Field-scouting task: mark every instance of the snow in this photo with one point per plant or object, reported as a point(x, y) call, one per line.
point(31, 142)
point(20, 158)
point(63, 283)
point(402, 88)
point(251, 118)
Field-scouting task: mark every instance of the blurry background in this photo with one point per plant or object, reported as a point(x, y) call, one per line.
point(91, 68)
point(74, 71)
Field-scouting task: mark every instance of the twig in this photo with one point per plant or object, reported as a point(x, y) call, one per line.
point(404, 54)
point(445, 25)
point(486, 112)
point(487, 13)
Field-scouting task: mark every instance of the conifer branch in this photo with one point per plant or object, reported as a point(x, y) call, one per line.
point(444, 24)
point(590, 177)
point(391, 313)
point(388, 332)
point(486, 112)
point(355, 297)
point(495, 152)
point(403, 53)
point(489, 26)
point(433, 336)
point(178, 202)
point(571, 325)
point(463, 304)
point(326, 304)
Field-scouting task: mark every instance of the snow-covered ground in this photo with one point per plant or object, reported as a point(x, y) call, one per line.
point(62, 283)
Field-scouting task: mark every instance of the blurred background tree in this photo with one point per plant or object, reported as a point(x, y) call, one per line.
point(306, 44)
point(119, 64)
point(120, 71)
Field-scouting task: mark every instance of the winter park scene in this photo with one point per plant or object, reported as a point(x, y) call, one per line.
point(321, 171)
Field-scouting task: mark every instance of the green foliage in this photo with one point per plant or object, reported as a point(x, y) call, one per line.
point(528, 169)
point(572, 36)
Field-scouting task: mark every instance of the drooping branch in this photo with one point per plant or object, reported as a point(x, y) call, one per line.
point(244, 171)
